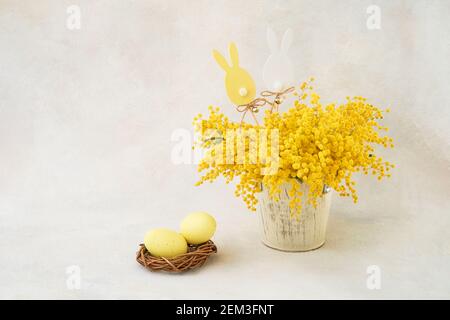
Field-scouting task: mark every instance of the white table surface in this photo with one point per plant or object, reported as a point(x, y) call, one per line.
point(86, 119)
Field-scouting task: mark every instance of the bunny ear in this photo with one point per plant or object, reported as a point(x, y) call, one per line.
point(272, 40)
point(234, 55)
point(221, 60)
point(287, 40)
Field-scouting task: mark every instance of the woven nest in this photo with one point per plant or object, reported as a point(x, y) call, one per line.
point(194, 258)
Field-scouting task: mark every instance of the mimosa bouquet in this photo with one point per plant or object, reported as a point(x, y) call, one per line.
point(311, 143)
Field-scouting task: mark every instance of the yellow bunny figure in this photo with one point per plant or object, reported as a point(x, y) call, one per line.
point(238, 82)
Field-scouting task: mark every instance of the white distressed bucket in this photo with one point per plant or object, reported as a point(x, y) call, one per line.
point(284, 232)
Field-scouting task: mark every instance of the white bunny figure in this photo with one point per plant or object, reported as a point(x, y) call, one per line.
point(278, 73)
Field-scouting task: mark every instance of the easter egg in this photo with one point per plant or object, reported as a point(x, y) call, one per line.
point(165, 243)
point(198, 227)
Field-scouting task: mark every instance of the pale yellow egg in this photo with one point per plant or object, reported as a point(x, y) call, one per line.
point(165, 243)
point(198, 227)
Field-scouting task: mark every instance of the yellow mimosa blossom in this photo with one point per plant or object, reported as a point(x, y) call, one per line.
point(319, 145)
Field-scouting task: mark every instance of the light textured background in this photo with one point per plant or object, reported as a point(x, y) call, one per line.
point(86, 119)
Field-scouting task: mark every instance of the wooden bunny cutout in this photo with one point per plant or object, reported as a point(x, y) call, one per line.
point(239, 84)
point(278, 71)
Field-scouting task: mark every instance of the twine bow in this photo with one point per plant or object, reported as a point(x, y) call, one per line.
point(255, 104)
point(252, 107)
point(278, 96)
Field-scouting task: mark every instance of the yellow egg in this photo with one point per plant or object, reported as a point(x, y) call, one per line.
point(198, 227)
point(165, 243)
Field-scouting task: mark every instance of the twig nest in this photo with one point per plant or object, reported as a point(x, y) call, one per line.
point(194, 258)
